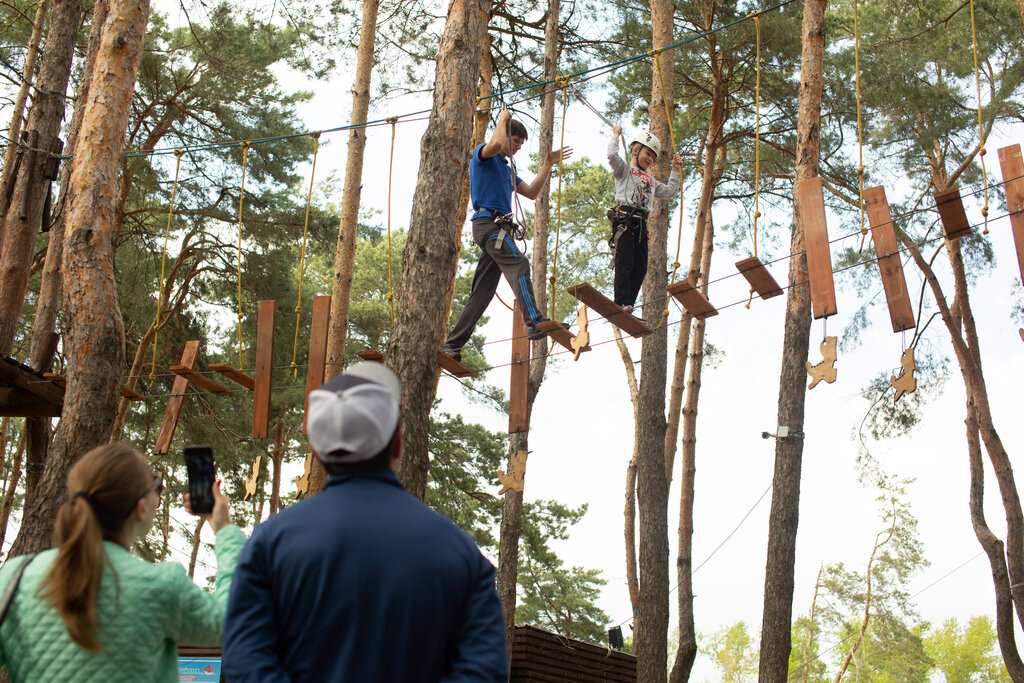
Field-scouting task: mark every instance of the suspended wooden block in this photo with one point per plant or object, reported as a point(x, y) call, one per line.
point(581, 340)
point(200, 380)
point(609, 310)
point(371, 354)
point(810, 197)
point(265, 320)
point(951, 213)
point(252, 483)
point(760, 279)
point(514, 478)
point(825, 369)
point(1013, 182)
point(890, 265)
point(519, 380)
point(176, 401)
point(906, 383)
point(234, 375)
point(317, 363)
point(692, 300)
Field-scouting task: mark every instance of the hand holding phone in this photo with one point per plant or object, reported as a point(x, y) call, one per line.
point(201, 474)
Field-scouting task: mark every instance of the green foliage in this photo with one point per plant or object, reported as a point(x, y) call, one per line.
point(734, 652)
point(805, 664)
point(966, 654)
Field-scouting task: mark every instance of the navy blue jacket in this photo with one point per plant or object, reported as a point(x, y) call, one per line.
point(490, 184)
point(363, 583)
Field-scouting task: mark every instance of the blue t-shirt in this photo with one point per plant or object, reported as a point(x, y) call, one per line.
point(490, 184)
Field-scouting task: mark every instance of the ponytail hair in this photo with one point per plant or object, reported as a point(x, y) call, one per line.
point(103, 489)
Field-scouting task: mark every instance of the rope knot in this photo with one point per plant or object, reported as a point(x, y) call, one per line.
point(675, 264)
point(551, 279)
point(315, 135)
point(391, 297)
point(757, 214)
point(393, 119)
point(179, 153)
point(298, 309)
point(860, 170)
point(652, 53)
point(245, 144)
point(983, 151)
point(240, 317)
point(563, 80)
point(984, 210)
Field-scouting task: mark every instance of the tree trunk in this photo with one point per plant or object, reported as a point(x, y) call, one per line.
point(197, 539)
point(24, 214)
point(12, 488)
point(429, 261)
point(278, 457)
point(512, 511)
point(629, 513)
point(784, 515)
point(94, 345)
point(651, 626)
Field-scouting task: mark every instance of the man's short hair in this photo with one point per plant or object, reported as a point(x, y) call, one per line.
point(518, 129)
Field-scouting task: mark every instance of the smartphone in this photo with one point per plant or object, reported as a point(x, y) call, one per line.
point(201, 475)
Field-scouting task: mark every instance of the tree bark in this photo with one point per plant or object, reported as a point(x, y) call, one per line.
point(429, 261)
point(12, 488)
point(784, 515)
point(629, 511)
point(278, 457)
point(24, 214)
point(94, 345)
point(197, 539)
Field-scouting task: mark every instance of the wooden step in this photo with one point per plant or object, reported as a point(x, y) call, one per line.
point(235, 375)
point(692, 300)
point(560, 333)
point(200, 380)
point(952, 214)
point(454, 367)
point(609, 310)
point(760, 279)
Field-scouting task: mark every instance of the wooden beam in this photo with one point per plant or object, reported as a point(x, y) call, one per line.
point(131, 394)
point(62, 382)
point(176, 401)
point(266, 318)
point(371, 354)
point(810, 197)
point(609, 310)
point(759, 277)
point(951, 213)
point(235, 375)
point(316, 366)
point(15, 374)
point(519, 381)
point(890, 265)
point(559, 332)
point(40, 409)
point(1013, 182)
point(692, 300)
point(200, 380)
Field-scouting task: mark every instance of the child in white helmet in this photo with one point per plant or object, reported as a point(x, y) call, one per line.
point(634, 188)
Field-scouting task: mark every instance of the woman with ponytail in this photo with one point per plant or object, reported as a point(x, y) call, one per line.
point(88, 610)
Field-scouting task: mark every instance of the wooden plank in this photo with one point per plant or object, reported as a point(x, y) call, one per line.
point(176, 401)
point(810, 197)
point(200, 380)
point(1013, 182)
point(316, 366)
point(890, 265)
point(454, 367)
point(233, 374)
point(57, 379)
point(759, 277)
point(559, 332)
point(609, 310)
point(951, 213)
point(15, 374)
point(371, 354)
point(60, 381)
point(265, 320)
point(692, 300)
point(519, 381)
point(40, 409)
point(131, 394)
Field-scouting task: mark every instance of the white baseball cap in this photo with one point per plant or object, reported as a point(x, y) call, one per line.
point(353, 417)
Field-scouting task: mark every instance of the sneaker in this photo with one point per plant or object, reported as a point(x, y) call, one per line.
point(627, 308)
point(534, 333)
point(642, 321)
point(452, 351)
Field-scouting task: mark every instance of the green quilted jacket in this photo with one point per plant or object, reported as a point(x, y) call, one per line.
point(143, 611)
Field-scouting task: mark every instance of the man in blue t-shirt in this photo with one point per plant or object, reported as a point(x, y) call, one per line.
point(491, 182)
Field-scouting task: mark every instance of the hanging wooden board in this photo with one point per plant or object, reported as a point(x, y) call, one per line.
point(759, 277)
point(316, 366)
point(200, 380)
point(692, 300)
point(609, 310)
point(560, 333)
point(519, 381)
point(890, 266)
point(233, 374)
point(1013, 182)
point(176, 401)
point(810, 197)
point(951, 213)
point(265, 320)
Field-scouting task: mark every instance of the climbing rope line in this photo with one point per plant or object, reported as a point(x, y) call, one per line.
point(391, 166)
point(302, 253)
point(241, 198)
point(981, 127)
point(163, 262)
point(563, 81)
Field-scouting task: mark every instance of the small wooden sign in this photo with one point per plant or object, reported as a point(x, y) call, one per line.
point(810, 199)
point(252, 483)
point(825, 369)
point(905, 383)
point(1013, 182)
point(951, 213)
point(890, 266)
point(581, 340)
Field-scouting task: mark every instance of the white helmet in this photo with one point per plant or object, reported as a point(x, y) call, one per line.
point(648, 140)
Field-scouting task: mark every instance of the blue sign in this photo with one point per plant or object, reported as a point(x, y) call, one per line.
point(199, 669)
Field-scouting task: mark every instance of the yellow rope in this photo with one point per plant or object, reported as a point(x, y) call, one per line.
point(757, 140)
point(391, 164)
point(860, 137)
point(163, 262)
point(241, 197)
point(564, 82)
point(981, 128)
point(302, 254)
point(672, 139)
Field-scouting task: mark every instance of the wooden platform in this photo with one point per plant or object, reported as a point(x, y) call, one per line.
point(61, 381)
point(692, 300)
point(26, 393)
point(560, 333)
point(539, 656)
point(609, 310)
point(200, 380)
point(759, 277)
point(952, 214)
point(450, 365)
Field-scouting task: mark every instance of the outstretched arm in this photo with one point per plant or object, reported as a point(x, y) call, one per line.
point(498, 137)
point(532, 190)
point(671, 188)
point(619, 166)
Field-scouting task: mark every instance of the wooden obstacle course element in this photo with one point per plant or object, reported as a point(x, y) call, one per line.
point(559, 332)
point(905, 383)
point(371, 354)
point(692, 300)
point(252, 483)
point(234, 375)
point(607, 308)
point(316, 366)
point(951, 213)
point(176, 401)
point(519, 375)
point(1013, 182)
point(581, 340)
point(454, 367)
point(265, 320)
point(62, 382)
point(26, 393)
point(810, 198)
point(514, 478)
point(759, 277)
point(302, 481)
point(890, 266)
point(200, 380)
point(826, 368)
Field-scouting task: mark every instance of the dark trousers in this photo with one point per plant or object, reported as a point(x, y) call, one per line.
point(497, 259)
point(631, 261)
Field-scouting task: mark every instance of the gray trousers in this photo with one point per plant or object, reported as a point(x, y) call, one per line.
point(496, 260)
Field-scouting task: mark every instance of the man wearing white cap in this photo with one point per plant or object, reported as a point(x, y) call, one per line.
point(362, 582)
